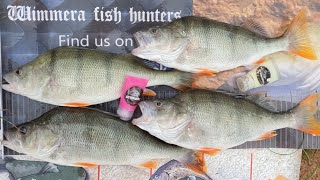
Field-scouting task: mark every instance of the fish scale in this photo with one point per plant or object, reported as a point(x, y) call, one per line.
point(210, 122)
point(69, 75)
point(94, 137)
point(234, 121)
point(196, 44)
point(215, 38)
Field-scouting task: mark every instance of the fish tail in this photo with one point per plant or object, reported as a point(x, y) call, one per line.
point(299, 40)
point(212, 82)
point(306, 115)
point(184, 81)
point(196, 162)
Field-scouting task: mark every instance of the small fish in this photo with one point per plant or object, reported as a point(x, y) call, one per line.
point(174, 170)
point(69, 76)
point(210, 122)
point(28, 170)
point(200, 45)
point(87, 138)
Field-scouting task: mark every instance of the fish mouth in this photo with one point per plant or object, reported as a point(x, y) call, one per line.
point(5, 140)
point(140, 39)
point(6, 85)
point(142, 115)
point(4, 81)
point(138, 116)
point(137, 113)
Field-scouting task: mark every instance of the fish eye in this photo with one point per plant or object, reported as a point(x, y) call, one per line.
point(23, 130)
point(154, 31)
point(18, 72)
point(158, 104)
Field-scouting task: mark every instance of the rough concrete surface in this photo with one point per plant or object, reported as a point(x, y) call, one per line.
point(267, 164)
point(233, 164)
point(273, 15)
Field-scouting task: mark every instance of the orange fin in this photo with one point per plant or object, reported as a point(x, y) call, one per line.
point(149, 92)
point(85, 164)
point(306, 115)
point(261, 61)
point(76, 104)
point(150, 164)
point(204, 71)
point(267, 136)
point(299, 40)
point(196, 162)
point(210, 151)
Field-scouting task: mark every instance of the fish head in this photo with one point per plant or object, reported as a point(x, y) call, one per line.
point(160, 44)
point(32, 139)
point(28, 79)
point(165, 119)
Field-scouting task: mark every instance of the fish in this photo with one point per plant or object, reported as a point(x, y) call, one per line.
point(222, 81)
point(200, 45)
point(28, 170)
point(85, 137)
point(211, 122)
point(174, 170)
point(291, 68)
point(75, 77)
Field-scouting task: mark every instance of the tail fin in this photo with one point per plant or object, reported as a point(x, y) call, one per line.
point(314, 33)
point(306, 115)
point(195, 161)
point(299, 40)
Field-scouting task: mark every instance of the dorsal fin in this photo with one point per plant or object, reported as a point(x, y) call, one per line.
point(255, 27)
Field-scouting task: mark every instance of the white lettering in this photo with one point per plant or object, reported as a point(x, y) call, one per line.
point(152, 16)
point(109, 15)
point(26, 13)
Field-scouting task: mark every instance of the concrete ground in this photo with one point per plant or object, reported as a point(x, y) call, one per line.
point(233, 164)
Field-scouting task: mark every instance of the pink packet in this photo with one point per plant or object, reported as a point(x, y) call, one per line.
point(131, 93)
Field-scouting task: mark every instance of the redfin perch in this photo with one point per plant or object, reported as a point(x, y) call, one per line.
point(205, 46)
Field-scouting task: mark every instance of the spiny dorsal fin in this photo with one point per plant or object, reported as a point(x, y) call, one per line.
point(255, 27)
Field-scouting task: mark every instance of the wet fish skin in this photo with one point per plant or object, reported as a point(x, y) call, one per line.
point(80, 77)
point(196, 44)
point(87, 136)
point(212, 122)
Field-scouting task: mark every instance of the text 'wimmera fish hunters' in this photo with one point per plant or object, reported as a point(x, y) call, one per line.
point(28, 13)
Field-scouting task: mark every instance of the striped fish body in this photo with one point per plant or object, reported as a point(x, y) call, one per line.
point(207, 121)
point(88, 137)
point(201, 45)
point(66, 76)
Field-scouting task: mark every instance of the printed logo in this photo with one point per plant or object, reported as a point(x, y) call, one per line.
point(133, 95)
point(263, 75)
